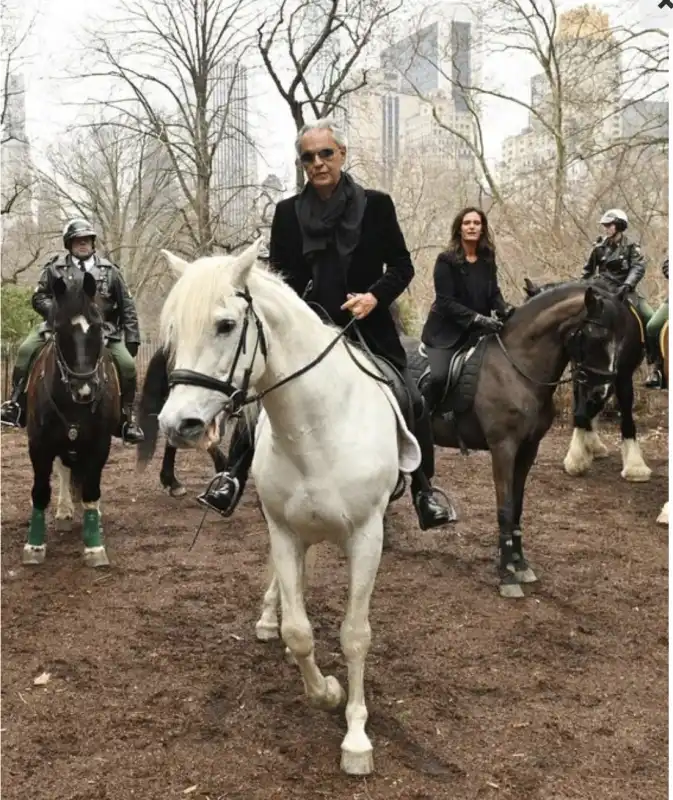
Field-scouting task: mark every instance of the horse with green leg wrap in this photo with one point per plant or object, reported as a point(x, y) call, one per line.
point(73, 409)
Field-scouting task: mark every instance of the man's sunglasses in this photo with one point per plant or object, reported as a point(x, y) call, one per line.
point(308, 156)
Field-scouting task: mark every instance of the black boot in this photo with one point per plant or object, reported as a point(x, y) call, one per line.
point(430, 511)
point(131, 432)
point(11, 411)
point(224, 491)
point(655, 380)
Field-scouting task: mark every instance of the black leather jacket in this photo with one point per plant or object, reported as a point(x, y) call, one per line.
point(619, 262)
point(119, 310)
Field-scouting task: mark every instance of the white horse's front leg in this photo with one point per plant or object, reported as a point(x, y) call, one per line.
point(364, 556)
point(64, 508)
point(579, 456)
point(288, 563)
point(635, 468)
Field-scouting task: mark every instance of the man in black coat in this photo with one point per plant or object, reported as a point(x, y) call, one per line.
point(330, 242)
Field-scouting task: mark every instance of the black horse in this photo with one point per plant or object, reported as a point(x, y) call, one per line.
point(587, 404)
point(503, 400)
point(152, 398)
point(73, 410)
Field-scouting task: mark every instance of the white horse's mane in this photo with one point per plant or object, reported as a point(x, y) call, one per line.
point(209, 283)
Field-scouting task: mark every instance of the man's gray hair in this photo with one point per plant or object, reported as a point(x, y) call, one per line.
point(323, 124)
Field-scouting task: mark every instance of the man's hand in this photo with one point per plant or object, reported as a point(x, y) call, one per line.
point(132, 347)
point(361, 305)
point(623, 291)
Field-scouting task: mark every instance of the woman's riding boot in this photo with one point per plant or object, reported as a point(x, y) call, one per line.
point(225, 489)
point(431, 513)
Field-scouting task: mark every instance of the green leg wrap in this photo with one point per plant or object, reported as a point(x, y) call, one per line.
point(91, 532)
point(37, 531)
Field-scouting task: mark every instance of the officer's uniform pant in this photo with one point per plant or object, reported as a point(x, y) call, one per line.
point(28, 349)
point(643, 307)
point(125, 363)
point(653, 330)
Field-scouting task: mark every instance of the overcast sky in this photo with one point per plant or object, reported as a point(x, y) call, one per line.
point(54, 48)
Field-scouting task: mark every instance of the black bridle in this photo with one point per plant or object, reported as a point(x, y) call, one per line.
point(237, 396)
point(582, 373)
point(69, 375)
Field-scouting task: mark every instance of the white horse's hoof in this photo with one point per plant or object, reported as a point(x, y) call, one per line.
point(63, 523)
point(266, 632)
point(95, 557)
point(357, 763)
point(178, 491)
point(34, 553)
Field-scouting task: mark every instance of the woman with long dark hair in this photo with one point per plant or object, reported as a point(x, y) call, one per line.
point(466, 292)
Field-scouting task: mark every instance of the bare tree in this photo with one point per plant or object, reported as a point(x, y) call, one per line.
point(179, 78)
point(571, 112)
point(123, 182)
point(323, 42)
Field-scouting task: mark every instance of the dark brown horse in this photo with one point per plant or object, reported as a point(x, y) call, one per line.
point(152, 398)
point(73, 410)
point(588, 402)
point(508, 408)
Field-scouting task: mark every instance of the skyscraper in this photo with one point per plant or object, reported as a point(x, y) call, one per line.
point(234, 176)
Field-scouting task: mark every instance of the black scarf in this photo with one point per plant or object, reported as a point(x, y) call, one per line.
point(330, 231)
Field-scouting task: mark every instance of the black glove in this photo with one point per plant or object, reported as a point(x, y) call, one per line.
point(505, 313)
point(623, 291)
point(487, 324)
point(132, 347)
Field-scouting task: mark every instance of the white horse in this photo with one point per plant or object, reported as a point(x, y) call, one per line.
point(330, 444)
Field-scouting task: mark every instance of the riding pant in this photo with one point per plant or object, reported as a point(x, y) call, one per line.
point(34, 342)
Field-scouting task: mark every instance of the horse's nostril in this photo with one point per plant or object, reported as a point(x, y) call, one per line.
point(191, 428)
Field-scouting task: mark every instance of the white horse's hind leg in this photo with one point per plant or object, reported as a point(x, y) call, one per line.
point(364, 556)
point(662, 519)
point(635, 468)
point(64, 507)
point(579, 457)
point(594, 443)
point(288, 556)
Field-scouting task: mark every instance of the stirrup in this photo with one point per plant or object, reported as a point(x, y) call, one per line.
point(451, 510)
point(123, 431)
point(217, 485)
point(11, 406)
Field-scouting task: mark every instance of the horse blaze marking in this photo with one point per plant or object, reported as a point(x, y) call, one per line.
point(79, 320)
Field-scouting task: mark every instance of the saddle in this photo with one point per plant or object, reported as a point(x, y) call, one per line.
point(462, 379)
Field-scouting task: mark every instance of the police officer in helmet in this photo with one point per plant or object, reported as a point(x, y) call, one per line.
point(619, 261)
point(119, 313)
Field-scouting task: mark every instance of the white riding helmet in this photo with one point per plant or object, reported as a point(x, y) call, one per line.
point(617, 216)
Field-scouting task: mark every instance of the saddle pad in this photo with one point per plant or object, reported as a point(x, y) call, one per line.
point(461, 384)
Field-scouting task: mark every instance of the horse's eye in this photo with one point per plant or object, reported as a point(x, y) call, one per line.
point(224, 326)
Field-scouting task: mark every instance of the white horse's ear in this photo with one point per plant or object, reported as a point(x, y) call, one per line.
point(177, 264)
point(245, 262)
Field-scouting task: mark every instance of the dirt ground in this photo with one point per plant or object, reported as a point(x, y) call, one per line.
point(159, 689)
